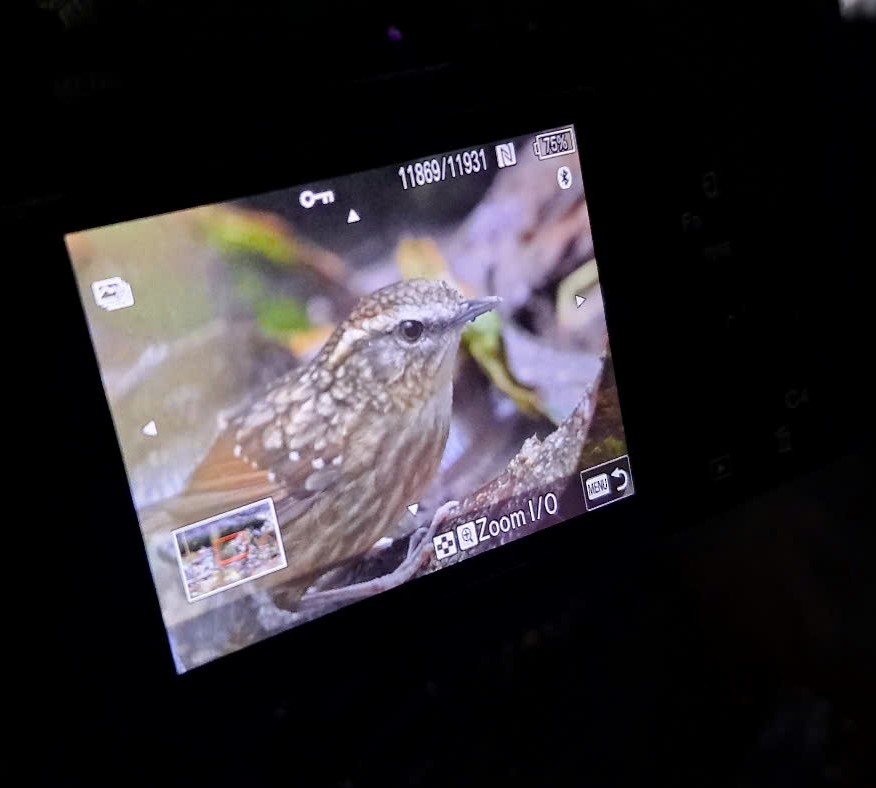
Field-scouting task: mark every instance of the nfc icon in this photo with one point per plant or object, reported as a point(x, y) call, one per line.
point(506, 156)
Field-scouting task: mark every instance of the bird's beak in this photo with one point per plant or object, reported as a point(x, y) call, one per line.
point(475, 307)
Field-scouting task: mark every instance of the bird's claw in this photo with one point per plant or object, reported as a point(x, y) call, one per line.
point(418, 547)
point(423, 535)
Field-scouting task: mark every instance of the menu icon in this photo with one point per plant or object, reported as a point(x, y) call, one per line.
point(607, 482)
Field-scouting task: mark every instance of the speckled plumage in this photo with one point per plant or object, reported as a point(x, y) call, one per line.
point(345, 443)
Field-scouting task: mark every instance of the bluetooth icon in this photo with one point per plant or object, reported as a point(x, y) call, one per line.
point(564, 177)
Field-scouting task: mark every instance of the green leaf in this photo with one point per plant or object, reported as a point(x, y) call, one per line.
point(483, 340)
point(485, 332)
point(236, 232)
point(279, 316)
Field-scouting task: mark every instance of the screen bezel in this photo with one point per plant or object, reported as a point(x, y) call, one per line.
point(375, 624)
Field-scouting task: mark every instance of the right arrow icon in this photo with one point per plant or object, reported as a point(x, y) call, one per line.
point(579, 300)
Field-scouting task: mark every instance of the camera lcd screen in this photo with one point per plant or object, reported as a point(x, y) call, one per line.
point(330, 390)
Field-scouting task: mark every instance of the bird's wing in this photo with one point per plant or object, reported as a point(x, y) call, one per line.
point(247, 463)
point(222, 482)
point(222, 470)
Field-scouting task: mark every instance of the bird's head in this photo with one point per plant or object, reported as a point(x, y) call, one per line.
point(405, 333)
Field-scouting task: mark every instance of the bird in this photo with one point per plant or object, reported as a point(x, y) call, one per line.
point(344, 443)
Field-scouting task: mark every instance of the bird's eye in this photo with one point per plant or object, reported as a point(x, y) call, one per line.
point(410, 330)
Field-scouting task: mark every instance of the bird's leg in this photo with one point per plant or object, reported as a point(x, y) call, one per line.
point(423, 535)
point(417, 550)
point(416, 539)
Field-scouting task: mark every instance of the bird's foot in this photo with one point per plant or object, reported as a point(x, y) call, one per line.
point(422, 537)
point(418, 548)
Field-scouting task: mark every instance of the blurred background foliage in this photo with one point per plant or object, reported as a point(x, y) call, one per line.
point(230, 296)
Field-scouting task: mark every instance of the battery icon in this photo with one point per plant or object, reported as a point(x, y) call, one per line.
point(549, 144)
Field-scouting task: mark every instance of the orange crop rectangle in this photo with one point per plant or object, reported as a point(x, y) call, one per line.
point(231, 559)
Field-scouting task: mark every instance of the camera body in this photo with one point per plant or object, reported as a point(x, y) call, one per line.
point(727, 320)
